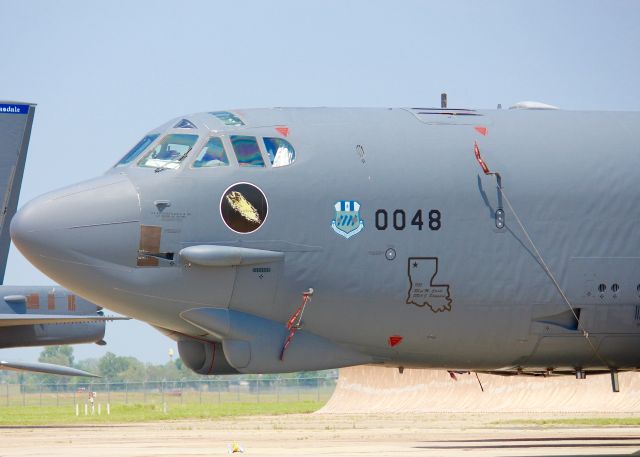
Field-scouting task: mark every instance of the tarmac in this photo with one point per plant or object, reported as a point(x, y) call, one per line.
point(324, 435)
point(377, 411)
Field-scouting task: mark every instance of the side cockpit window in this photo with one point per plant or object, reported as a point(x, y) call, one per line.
point(137, 149)
point(212, 155)
point(247, 151)
point(280, 152)
point(170, 151)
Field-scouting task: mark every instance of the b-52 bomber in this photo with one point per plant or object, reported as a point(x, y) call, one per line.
point(35, 315)
point(274, 240)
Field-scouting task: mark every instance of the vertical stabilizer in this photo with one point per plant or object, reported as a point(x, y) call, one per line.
point(16, 119)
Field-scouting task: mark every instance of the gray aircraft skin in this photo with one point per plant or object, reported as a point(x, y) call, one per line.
point(32, 316)
point(35, 315)
point(412, 252)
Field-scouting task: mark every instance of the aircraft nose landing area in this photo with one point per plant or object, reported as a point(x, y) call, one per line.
point(76, 223)
point(345, 435)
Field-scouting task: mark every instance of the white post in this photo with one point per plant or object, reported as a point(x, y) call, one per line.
point(77, 409)
point(164, 407)
point(108, 409)
point(99, 408)
point(86, 409)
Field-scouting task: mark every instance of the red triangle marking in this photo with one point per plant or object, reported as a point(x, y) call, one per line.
point(482, 130)
point(394, 340)
point(284, 131)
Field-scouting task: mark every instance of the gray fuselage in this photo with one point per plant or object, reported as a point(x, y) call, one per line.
point(428, 281)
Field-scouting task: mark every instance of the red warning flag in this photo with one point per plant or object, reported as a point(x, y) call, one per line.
point(484, 166)
point(292, 320)
point(290, 336)
point(295, 321)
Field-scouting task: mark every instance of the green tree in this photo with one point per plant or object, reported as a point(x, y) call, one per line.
point(91, 365)
point(59, 355)
point(112, 366)
point(135, 372)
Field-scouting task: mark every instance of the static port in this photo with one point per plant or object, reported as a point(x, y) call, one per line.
point(390, 254)
point(602, 288)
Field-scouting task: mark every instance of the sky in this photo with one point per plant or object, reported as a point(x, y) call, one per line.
point(104, 73)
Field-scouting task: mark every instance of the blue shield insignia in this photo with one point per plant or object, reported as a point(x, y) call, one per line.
point(347, 222)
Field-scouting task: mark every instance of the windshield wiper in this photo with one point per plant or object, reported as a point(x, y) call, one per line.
point(180, 159)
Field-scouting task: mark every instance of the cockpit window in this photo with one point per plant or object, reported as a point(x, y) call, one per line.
point(227, 118)
point(280, 151)
point(170, 151)
point(137, 149)
point(247, 151)
point(212, 155)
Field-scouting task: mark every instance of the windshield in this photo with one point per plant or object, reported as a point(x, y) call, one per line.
point(170, 151)
point(137, 149)
point(212, 155)
point(247, 151)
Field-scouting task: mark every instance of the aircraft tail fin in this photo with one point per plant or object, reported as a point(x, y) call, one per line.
point(16, 119)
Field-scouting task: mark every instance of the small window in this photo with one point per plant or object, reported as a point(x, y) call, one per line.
point(247, 151)
point(170, 151)
point(280, 152)
point(184, 124)
point(212, 155)
point(227, 118)
point(137, 149)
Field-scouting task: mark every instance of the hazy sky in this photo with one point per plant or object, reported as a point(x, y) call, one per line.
point(103, 73)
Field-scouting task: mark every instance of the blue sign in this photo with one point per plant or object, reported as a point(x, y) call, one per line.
point(13, 109)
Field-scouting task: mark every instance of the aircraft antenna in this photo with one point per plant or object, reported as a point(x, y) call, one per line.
point(479, 382)
point(443, 100)
point(585, 333)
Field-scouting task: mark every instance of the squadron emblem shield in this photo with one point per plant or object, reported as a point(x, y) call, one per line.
point(347, 221)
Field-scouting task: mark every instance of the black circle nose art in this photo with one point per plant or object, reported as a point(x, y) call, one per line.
point(243, 207)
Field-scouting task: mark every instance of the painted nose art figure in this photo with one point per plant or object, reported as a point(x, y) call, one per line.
point(243, 207)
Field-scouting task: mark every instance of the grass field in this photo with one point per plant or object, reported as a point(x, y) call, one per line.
point(576, 421)
point(52, 415)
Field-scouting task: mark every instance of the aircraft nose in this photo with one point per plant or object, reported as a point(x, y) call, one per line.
point(94, 221)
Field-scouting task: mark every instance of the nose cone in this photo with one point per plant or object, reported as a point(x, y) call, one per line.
point(90, 223)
